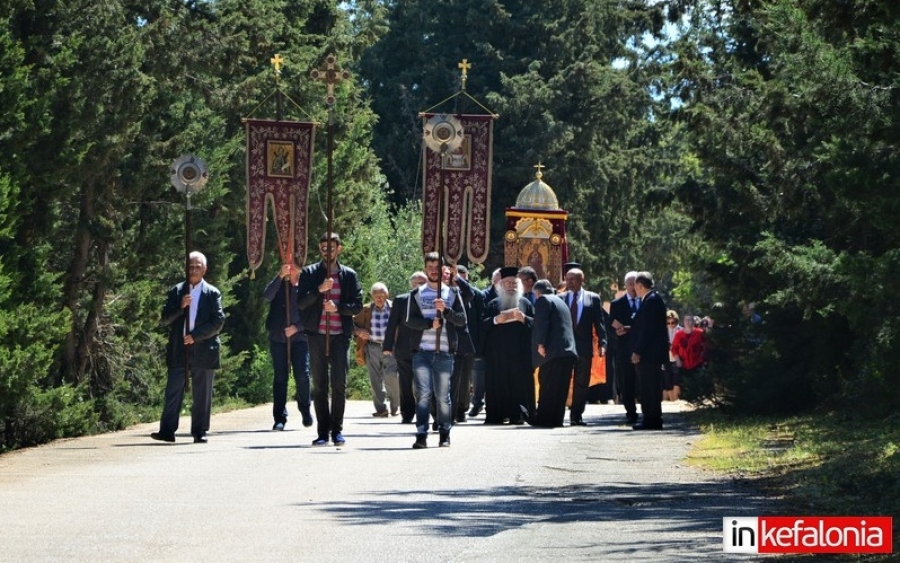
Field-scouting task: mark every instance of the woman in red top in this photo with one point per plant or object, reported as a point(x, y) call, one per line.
point(688, 348)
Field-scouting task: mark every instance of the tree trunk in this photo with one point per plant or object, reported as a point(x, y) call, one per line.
point(75, 280)
point(101, 379)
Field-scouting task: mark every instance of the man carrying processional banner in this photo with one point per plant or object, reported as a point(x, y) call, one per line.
point(456, 203)
point(279, 169)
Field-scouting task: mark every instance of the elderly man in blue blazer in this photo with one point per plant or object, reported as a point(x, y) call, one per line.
point(195, 317)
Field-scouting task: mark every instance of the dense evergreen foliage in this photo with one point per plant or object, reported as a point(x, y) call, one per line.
point(742, 151)
point(790, 107)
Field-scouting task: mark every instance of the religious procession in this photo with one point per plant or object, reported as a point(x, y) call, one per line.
point(590, 245)
point(532, 347)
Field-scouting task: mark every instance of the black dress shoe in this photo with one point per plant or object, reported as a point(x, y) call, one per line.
point(200, 439)
point(642, 426)
point(631, 419)
point(475, 411)
point(577, 423)
point(162, 437)
point(461, 418)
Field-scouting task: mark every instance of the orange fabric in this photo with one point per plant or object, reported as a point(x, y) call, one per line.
point(598, 364)
point(598, 372)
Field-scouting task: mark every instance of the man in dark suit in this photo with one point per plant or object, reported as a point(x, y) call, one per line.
point(397, 341)
point(464, 359)
point(553, 351)
point(588, 316)
point(649, 350)
point(478, 299)
point(287, 345)
point(529, 278)
point(622, 311)
point(194, 317)
point(329, 295)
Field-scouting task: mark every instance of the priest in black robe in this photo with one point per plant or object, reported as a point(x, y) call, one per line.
point(509, 379)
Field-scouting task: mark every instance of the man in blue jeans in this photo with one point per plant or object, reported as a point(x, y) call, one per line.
point(429, 312)
point(284, 326)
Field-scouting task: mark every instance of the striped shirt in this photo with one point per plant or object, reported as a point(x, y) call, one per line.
point(333, 319)
point(426, 298)
point(379, 322)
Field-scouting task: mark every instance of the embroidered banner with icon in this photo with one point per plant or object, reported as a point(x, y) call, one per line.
point(466, 176)
point(279, 167)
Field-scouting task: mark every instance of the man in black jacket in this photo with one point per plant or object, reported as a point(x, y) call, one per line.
point(649, 350)
point(286, 331)
point(553, 352)
point(328, 295)
point(464, 360)
point(622, 311)
point(194, 319)
point(397, 341)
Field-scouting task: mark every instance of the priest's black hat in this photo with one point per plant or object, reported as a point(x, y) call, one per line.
point(508, 272)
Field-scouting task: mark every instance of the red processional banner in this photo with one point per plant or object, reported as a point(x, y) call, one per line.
point(465, 175)
point(279, 167)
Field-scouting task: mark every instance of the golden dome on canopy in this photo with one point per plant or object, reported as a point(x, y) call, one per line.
point(537, 195)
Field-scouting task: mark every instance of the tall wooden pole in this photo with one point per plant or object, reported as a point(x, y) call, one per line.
point(186, 290)
point(329, 217)
point(277, 61)
point(439, 241)
point(330, 74)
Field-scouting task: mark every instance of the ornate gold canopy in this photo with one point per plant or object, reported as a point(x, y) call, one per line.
point(535, 230)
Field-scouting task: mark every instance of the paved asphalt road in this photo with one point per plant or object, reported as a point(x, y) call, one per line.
point(500, 493)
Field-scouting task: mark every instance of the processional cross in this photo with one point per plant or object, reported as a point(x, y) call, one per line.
point(277, 61)
point(330, 74)
point(464, 66)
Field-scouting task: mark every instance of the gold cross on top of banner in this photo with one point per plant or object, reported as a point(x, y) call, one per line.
point(464, 66)
point(277, 61)
point(330, 74)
